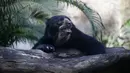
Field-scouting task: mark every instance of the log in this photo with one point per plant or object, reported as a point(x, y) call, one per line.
point(116, 60)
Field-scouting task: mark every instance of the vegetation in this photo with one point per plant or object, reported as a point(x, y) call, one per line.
point(121, 40)
point(20, 20)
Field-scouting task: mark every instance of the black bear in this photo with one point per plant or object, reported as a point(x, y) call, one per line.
point(60, 32)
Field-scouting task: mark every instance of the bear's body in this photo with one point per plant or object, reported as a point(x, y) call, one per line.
point(74, 39)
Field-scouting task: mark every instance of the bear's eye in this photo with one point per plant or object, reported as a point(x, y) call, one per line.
point(69, 25)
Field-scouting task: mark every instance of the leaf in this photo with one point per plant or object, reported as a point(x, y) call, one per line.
point(92, 15)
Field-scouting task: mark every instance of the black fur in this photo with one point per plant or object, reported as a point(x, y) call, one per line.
point(78, 40)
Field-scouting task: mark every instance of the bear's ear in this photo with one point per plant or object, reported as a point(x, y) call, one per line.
point(47, 21)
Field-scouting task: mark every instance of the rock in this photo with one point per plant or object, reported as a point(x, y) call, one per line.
point(35, 61)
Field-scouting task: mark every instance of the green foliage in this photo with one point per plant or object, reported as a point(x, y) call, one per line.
point(127, 22)
point(21, 20)
point(125, 37)
point(120, 40)
point(16, 24)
